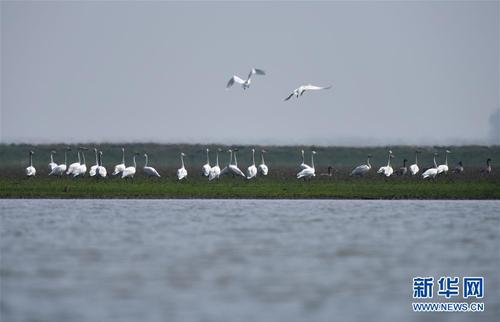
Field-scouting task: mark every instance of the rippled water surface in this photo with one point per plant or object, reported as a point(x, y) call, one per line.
point(240, 260)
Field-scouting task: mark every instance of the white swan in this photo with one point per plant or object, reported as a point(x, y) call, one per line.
point(101, 170)
point(245, 83)
point(225, 170)
point(443, 168)
point(61, 168)
point(263, 169)
point(52, 164)
point(75, 165)
point(206, 167)
point(252, 170)
point(414, 169)
point(432, 172)
point(182, 172)
point(363, 169)
point(129, 172)
point(93, 169)
point(233, 168)
point(31, 171)
point(308, 172)
point(80, 171)
point(303, 165)
point(215, 170)
point(150, 171)
point(387, 170)
point(120, 167)
point(301, 90)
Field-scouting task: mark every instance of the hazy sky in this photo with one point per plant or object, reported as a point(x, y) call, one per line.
point(403, 72)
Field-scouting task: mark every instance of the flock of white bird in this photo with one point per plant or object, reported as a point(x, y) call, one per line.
point(79, 168)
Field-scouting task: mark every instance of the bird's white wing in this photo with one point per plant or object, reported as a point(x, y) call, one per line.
point(234, 79)
point(313, 87)
point(256, 71)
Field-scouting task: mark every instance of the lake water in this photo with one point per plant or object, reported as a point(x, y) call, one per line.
point(240, 260)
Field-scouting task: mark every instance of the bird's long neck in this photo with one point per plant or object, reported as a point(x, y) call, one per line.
point(303, 161)
point(368, 163)
point(446, 159)
point(217, 158)
point(31, 159)
point(262, 157)
point(235, 159)
point(182, 160)
point(133, 159)
point(389, 160)
point(100, 159)
point(435, 164)
point(51, 157)
point(253, 157)
point(208, 160)
point(146, 164)
point(123, 156)
point(312, 160)
point(78, 154)
point(83, 156)
point(65, 157)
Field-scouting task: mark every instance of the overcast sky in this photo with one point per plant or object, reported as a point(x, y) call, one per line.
point(402, 72)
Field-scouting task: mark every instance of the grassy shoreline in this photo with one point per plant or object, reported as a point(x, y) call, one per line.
point(262, 188)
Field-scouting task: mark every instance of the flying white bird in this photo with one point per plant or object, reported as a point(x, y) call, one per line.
point(414, 169)
point(245, 83)
point(206, 167)
point(303, 165)
point(61, 168)
point(182, 172)
point(299, 91)
point(387, 170)
point(129, 172)
point(443, 168)
point(215, 170)
point(120, 167)
point(52, 164)
point(263, 169)
point(432, 172)
point(150, 171)
point(308, 172)
point(252, 170)
point(361, 170)
point(31, 171)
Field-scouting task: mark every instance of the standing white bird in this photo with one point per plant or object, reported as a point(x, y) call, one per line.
point(182, 172)
point(414, 169)
point(431, 172)
point(215, 170)
point(129, 172)
point(225, 170)
point(302, 89)
point(61, 168)
point(30, 170)
point(252, 170)
point(387, 170)
point(263, 169)
point(120, 167)
point(308, 172)
point(150, 171)
point(303, 165)
point(363, 169)
point(245, 83)
point(101, 170)
point(443, 168)
point(75, 165)
point(52, 164)
point(233, 168)
point(80, 171)
point(206, 167)
point(93, 169)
